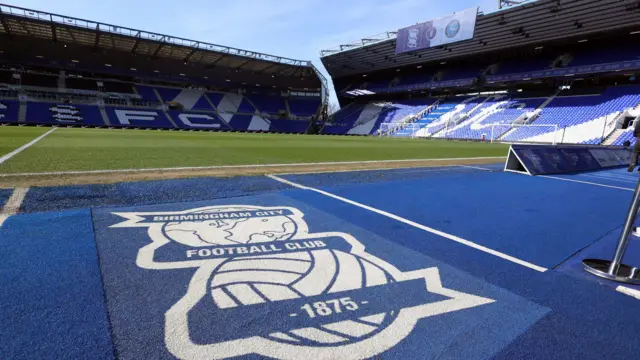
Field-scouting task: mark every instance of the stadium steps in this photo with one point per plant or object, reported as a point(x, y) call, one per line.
point(103, 114)
point(609, 140)
point(287, 107)
point(22, 111)
point(170, 119)
point(155, 91)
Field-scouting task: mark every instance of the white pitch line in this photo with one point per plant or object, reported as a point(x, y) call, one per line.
point(25, 146)
point(474, 167)
point(628, 291)
point(420, 168)
point(416, 225)
point(586, 182)
point(238, 166)
point(13, 204)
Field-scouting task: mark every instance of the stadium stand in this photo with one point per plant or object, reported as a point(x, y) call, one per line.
point(510, 84)
point(180, 90)
point(580, 119)
point(516, 81)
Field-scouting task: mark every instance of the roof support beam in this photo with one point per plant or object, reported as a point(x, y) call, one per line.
point(213, 64)
point(6, 26)
point(157, 51)
point(266, 68)
point(135, 45)
point(54, 32)
point(242, 64)
point(73, 37)
point(192, 52)
point(98, 34)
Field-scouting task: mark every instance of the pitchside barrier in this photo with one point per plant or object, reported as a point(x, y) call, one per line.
point(554, 159)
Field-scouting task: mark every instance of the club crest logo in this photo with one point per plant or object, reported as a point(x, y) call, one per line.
point(412, 39)
point(452, 28)
point(265, 285)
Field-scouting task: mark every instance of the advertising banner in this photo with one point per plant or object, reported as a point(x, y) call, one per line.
point(449, 29)
point(548, 159)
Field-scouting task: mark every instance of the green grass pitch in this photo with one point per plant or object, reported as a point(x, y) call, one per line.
point(98, 149)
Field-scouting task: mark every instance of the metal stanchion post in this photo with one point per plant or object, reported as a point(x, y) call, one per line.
point(614, 269)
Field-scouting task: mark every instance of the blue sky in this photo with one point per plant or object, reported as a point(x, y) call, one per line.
point(297, 29)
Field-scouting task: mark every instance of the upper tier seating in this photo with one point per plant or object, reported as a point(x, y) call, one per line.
point(304, 106)
point(268, 103)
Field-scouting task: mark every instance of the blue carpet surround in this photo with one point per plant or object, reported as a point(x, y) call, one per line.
point(515, 214)
point(146, 192)
point(52, 298)
point(254, 268)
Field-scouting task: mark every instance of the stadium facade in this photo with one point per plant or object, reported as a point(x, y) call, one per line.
point(541, 71)
point(60, 70)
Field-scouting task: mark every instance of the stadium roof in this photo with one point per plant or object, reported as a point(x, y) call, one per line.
point(532, 22)
point(16, 21)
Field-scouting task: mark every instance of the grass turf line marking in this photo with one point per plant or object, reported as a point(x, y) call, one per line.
point(416, 225)
point(13, 204)
point(628, 291)
point(434, 168)
point(25, 146)
point(87, 172)
point(586, 182)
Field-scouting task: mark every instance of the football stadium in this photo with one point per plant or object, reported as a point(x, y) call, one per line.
point(475, 196)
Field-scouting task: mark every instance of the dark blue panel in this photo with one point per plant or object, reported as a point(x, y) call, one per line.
point(168, 94)
point(215, 98)
point(289, 126)
point(52, 298)
point(240, 122)
point(147, 93)
point(246, 107)
point(9, 110)
point(202, 104)
point(304, 107)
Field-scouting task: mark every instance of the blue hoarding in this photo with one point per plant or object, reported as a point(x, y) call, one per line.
point(548, 159)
